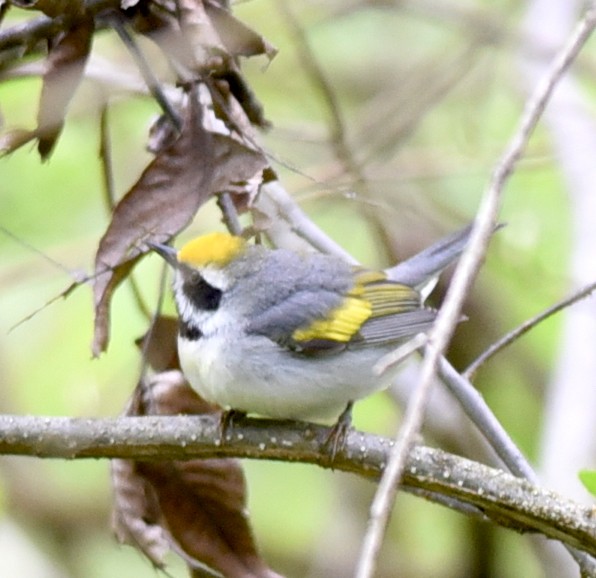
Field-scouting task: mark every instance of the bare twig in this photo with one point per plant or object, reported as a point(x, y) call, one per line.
point(150, 79)
point(463, 278)
point(301, 224)
point(76, 275)
point(399, 354)
point(230, 215)
point(320, 82)
point(526, 326)
point(486, 422)
point(105, 156)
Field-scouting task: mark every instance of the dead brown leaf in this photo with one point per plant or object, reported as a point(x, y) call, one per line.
point(64, 70)
point(159, 345)
point(135, 513)
point(238, 39)
point(13, 139)
point(168, 393)
point(198, 506)
point(52, 8)
point(163, 201)
point(203, 504)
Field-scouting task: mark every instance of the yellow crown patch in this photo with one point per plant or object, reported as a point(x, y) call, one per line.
point(211, 249)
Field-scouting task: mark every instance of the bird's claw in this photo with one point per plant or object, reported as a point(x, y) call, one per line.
point(336, 437)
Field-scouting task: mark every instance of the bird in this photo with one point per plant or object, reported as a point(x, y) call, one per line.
point(291, 335)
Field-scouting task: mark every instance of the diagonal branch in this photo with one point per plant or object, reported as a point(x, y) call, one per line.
point(526, 326)
point(463, 278)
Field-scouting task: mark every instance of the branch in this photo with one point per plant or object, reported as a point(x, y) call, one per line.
point(507, 500)
point(461, 283)
point(526, 326)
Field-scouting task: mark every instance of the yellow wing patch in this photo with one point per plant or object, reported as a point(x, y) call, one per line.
point(340, 325)
point(371, 297)
point(212, 249)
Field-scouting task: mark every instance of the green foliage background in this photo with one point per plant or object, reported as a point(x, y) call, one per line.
point(422, 162)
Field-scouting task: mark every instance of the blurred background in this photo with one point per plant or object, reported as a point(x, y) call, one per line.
point(387, 120)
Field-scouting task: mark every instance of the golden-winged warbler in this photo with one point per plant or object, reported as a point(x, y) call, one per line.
point(295, 336)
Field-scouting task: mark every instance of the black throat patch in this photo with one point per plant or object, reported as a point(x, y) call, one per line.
point(189, 332)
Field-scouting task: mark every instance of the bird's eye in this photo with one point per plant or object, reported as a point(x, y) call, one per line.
point(195, 279)
point(200, 293)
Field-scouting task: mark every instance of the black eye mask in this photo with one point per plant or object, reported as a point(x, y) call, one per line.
point(203, 296)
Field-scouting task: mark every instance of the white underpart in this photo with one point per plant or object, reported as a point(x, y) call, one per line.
point(251, 373)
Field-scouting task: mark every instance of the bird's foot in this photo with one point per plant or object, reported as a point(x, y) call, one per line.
point(336, 438)
point(226, 419)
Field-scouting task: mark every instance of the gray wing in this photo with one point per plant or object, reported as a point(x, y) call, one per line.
point(395, 328)
point(278, 322)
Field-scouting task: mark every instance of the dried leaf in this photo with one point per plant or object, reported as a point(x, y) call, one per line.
point(159, 344)
point(237, 166)
point(159, 204)
point(135, 514)
point(168, 393)
point(239, 39)
point(200, 34)
point(200, 505)
point(136, 517)
point(245, 97)
point(203, 504)
point(52, 8)
point(206, 39)
point(11, 140)
point(163, 201)
point(64, 69)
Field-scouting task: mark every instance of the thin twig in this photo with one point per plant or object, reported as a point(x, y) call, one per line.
point(477, 410)
point(399, 354)
point(27, 34)
point(230, 214)
point(105, 156)
point(526, 326)
point(76, 275)
point(80, 277)
point(301, 224)
point(150, 79)
point(107, 171)
point(463, 278)
point(320, 82)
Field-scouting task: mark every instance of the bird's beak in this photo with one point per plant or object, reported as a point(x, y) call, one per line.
point(167, 252)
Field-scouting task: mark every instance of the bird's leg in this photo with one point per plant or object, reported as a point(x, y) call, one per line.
point(337, 434)
point(226, 418)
